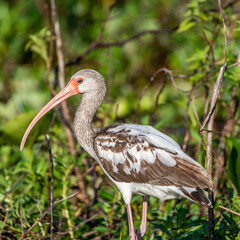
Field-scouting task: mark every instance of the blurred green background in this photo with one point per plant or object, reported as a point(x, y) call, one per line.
point(186, 37)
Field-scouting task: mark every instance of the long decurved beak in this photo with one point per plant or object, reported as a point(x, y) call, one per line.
point(65, 93)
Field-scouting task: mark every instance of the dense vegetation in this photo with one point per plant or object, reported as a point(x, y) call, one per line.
point(161, 61)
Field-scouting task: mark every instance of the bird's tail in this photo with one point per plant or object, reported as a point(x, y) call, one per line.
point(196, 195)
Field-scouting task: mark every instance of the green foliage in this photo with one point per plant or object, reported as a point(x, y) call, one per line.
point(38, 44)
point(193, 50)
point(233, 164)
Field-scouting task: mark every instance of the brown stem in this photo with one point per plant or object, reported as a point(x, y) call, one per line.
point(51, 185)
point(97, 44)
point(4, 222)
point(186, 117)
point(81, 185)
point(61, 68)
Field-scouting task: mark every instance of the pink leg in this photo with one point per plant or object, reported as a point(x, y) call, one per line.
point(132, 235)
point(143, 227)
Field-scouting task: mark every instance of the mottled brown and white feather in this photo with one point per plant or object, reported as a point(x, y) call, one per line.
point(141, 154)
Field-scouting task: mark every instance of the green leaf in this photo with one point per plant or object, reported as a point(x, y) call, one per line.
point(3, 181)
point(13, 131)
point(136, 198)
point(233, 161)
point(185, 25)
point(106, 195)
point(238, 236)
point(38, 44)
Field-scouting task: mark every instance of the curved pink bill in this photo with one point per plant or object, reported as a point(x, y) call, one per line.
point(67, 92)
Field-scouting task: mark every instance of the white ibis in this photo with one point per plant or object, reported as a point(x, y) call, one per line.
point(138, 159)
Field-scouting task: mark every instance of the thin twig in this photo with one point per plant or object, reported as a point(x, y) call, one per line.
point(169, 72)
point(65, 198)
point(38, 205)
point(99, 237)
point(233, 65)
point(110, 225)
point(186, 117)
point(229, 210)
point(113, 237)
point(78, 59)
point(211, 131)
point(59, 44)
point(87, 234)
point(51, 185)
point(163, 81)
point(75, 228)
point(225, 32)
point(140, 98)
point(216, 91)
point(152, 79)
point(4, 222)
point(51, 46)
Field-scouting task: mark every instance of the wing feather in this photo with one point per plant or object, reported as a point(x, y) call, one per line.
point(141, 154)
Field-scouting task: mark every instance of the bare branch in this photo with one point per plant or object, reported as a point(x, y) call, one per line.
point(169, 72)
point(51, 186)
point(140, 98)
point(4, 222)
point(216, 91)
point(225, 32)
point(92, 47)
point(233, 65)
point(61, 69)
point(110, 225)
point(75, 228)
point(229, 210)
point(152, 79)
point(209, 120)
point(187, 134)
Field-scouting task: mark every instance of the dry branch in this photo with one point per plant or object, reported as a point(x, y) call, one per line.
point(209, 120)
point(227, 209)
point(61, 68)
point(97, 45)
point(4, 222)
point(51, 186)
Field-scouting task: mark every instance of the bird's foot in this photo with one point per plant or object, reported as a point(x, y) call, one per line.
point(141, 231)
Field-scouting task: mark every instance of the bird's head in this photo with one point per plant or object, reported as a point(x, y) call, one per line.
point(83, 81)
point(87, 80)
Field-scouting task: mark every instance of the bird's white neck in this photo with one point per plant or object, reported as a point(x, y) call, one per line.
point(83, 119)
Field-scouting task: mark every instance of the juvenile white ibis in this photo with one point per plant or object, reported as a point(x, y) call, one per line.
point(138, 159)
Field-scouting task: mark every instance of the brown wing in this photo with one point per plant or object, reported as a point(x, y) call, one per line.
point(130, 157)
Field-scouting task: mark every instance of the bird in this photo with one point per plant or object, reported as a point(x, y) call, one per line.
point(138, 159)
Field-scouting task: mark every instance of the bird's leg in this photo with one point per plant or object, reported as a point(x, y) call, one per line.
point(143, 227)
point(132, 234)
